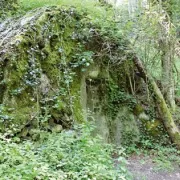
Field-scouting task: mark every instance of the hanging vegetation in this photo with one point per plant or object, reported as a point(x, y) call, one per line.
point(51, 61)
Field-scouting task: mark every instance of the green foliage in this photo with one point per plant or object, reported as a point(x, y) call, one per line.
point(51, 56)
point(97, 14)
point(152, 131)
point(8, 8)
point(3, 114)
point(166, 158)
point(118, 98)
point(93, 7)
point(83, 60)
point(97, 22)
point(72, 154)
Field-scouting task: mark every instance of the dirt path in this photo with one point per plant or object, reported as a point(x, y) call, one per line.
point(145, 169)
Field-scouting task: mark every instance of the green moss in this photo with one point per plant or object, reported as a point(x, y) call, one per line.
point(118, 98)
point(177, 136)
point(75, 91)
point(53, 41)
point(124, 127)
point(138, 109)
point(8, 7)
point(14, 70)
point(154, 128)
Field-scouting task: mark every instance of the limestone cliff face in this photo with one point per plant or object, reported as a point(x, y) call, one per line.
point(57, 68)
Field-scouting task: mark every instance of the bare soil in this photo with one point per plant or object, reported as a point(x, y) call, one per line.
point(144, 168)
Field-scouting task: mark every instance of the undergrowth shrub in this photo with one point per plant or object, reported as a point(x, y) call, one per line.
point(72, 154)
point(165, 157)
point(8, 8)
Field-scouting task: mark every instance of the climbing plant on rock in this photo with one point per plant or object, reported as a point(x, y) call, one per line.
point(45, 55)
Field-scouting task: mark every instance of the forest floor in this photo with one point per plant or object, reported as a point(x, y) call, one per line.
point(148, 168)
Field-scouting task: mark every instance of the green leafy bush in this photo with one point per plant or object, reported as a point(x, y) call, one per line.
point(7, 8)
point(72, 154)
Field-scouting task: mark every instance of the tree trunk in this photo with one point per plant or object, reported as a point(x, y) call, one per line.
point(167, 60)
point(167, 46)
point(163, 109)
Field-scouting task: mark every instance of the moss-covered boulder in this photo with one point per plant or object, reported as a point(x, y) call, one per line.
point(58, 67)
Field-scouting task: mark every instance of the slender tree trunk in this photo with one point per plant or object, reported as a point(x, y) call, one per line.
point(167, 46)
point(167, 59)
point(163, 109)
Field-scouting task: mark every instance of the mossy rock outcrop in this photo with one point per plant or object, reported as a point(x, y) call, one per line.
point(57, 68)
